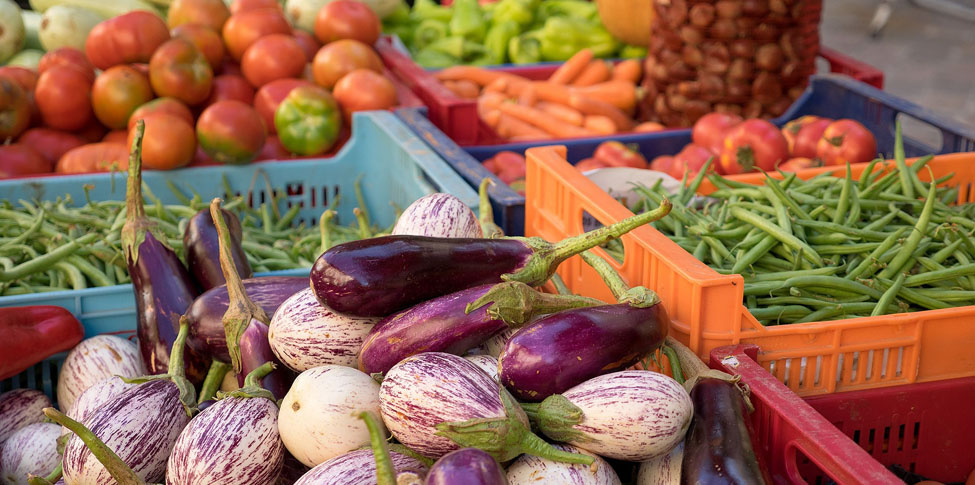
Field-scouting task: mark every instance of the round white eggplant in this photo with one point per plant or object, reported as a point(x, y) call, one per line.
point(533, 470)
point(19, 408)
point(94, 360)
point(31, 450)
point(486, 363)
point(233, 442)
point(358, 468)
point(663, 469)
point(318, 422)
point(304, 333)
point(494, 345)
point(95, 397)
point(438, 215)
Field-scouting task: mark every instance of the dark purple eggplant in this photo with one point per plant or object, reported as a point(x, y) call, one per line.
point(255, 351)
point(379, 276)
point(470, 466)
point(203, 250)
point(206, 312)
point(163, 288)
point(443, 324)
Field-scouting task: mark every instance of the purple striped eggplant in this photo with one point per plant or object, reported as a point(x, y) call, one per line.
point(163, 288)
point(663, 469)
point(533, 470)
point(494, 344)
point(357, 468)
point(19, 408)
point(94, 360)
point(202, 250)
point(206, 312)
point(469, 466)
point(318, 419)
point(379, 276)
point(233, 442)
point(95, 397)
point(438, 215)
point(564, 349)
point(486, 363)
point(457, 322)
point(435, 403)
point(632, 415)
point(31, 450)
point(305, 334)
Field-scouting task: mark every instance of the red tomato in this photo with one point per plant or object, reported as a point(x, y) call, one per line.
point(616, 154)
point(117, 92)
point(341, 57)
point(791, 129)
point(130, 37)
point(208, 13)
point(274, 150)
point(308, 43)
point(179, 70)
point(116, 136)
point(796, 164)
point(205, 39)
point(63, 96)
point(68, 56)
point(663, 163)
point(709, 130)
point(51, 144)
point(275, 56)
point(753, 144)
point(347, 19)
point(92, 132)
point(95, 157)
point(590, 163)
point(18, 159)
point(172, 106)
point(270, 95)
point(14, 108)
point(807, 139)
point(168, 142)
point(363, 90)
point(26, 78)
point(231, 86)
point(238, 6)
point(693, 157)
point(846, 141)
point(507, 165)
point(231, 132)
point(244, 28)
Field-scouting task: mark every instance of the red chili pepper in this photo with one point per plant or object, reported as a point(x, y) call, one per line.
point(31, 334)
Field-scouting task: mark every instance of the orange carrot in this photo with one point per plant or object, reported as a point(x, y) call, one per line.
point(600, 124)
point(551, 92)
point(492, 118)
point(543, 136)
point(621, 94)
point(478, 75)
point(628, 70)
point(591, 106)
point(489, 101)
point(543, 120)
point(527, 96)
point(509, 126)
point(463, 88)
point(561, 112)
point(596, 72)
point(499, 85)
point(649, 126)
point(571, 68)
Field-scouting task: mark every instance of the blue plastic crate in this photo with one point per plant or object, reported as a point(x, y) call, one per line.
point(832, 96)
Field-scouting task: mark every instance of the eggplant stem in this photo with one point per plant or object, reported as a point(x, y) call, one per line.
point(253, 379)
point(385, 472)
point(213, 380)
point(136, 223)
point(559, 284)
point(637, 297)
point(516, 303)
point(50, 479)
point(117, 468)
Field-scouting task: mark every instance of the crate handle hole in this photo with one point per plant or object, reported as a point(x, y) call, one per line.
point(920, 132)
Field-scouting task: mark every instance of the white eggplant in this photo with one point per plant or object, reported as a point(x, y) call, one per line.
point(304, 333)
point(486, 363)
point(95, 397)
point(19, 408)
point(93, 360)
point(663, 469)
point(438, 215)
point(532, 470)
point(494, 345)
point(358, 468)
point(31, 450)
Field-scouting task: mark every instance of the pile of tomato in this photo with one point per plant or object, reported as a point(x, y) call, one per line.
point(213, 84)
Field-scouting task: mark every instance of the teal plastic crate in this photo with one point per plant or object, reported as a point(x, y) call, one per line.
point(396, 168)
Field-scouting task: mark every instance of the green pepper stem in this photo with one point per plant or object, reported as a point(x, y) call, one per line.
point(115, 466)
point(385, 472)
point(213, 380)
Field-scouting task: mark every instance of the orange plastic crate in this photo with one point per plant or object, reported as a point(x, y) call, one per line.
point(706, 307)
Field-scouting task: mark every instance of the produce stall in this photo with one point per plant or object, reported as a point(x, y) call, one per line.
point(494, 242)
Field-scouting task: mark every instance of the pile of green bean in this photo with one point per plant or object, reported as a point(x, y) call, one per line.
point(829, 247)
point(58, 245)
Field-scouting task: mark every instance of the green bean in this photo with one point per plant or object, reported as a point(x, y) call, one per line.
point(888, 297)
point(778, 233)
point(74, 275)
point(881, 222)
point(830, 227)
point(964, 260)
point(866, 175)
point(263, 251)
point(47, 260)
point(784, 275)
point(856, 210)
point(795, 300)
point(691, 189)
point(97, 277)
point(932, 276)
point(913, 296)
point(764, 288)
point(913, 239)
point(844, 196)
point(963, 296)
point(831, 238)
point(287, 218)
point(789, 312)
point(846, 248)
point(840, 309)
point(834, 283)
point(754, 253)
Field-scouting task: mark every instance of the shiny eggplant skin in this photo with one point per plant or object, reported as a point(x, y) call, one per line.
point(206, 312)
point(254, 352)
point(203, 250)
point(469, 466)
point(559, 351)
point(718, 447)
point(379, 276)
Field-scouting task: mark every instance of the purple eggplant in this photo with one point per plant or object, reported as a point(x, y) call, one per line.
point(19, 408)
point(255, 351)
point(379, 276)
point(444, 324)
point(31, 450)
point(163, 288)
point(206, 312)
point(469, 466)
point(203, 251)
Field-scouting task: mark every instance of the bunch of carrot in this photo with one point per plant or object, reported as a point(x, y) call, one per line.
point(583, 97)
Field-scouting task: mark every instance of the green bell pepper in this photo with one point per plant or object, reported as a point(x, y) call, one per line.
point(522, 12)
point(577, 9)
point(633, 52)
point(457, 47)
point(432, 59)
point(308, 121)
point(467, 21)
point(399, 16)
point(497, 39)
point(525, 49)
point(428, 9)
point(428, 32)
point(561, 37)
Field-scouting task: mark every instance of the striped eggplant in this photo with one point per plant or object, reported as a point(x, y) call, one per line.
point(202, 250)
point(206, 312)
point(458, 322)
point(379, 276)
point(438, 215)
point(305, 334)
point(32, 450)
point(19, 408)
point(95, 397)
point(94, 360)
point(486, 363)
point(663, 469)
point(469, 466)
point(435, 403)
point(632, 415)
point(495, 344)
point(357, 468)
point(233, 442)
point(318, 420)
point(533, 470)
